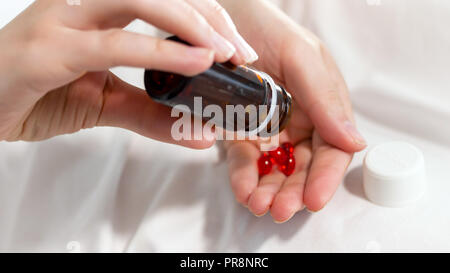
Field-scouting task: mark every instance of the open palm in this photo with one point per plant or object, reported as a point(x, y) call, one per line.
point(321, 126)
point(319, 168)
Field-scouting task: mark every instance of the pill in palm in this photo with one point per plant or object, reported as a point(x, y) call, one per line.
point(279, 155)
point(288, 147)
point(288, 167)
point(283, 156)
point(265, 163)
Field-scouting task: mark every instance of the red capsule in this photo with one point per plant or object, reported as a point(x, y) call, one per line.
point(265, 163)
point(288, 167)
point(288, 147)
point(279, 155)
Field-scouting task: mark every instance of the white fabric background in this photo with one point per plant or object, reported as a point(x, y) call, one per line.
point(110, 190)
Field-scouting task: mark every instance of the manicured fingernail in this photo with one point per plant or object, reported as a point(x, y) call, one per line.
point(228, 20)
point(284, 221)
point(200, 53)
point(357, 137)
point(260, 215)
point(223, 47)
point(247, 52)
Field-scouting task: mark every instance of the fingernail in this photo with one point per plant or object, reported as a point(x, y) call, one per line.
point(247, 52)
point(200, 53)
point(356, 136)
point(282, 222)
point(228, 20)
point(224, 47)
point(260, 215)
point(310, 211)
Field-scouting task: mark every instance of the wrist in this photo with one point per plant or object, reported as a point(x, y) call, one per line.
point(10, 68)
point(6, 83)
point(238, 8)
point(258, 19)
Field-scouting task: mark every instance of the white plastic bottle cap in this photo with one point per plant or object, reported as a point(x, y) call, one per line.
point(394, 174)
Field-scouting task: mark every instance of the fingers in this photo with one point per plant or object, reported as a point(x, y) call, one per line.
point(338, 79)
point(242, 158)
point(221, 21)
point(116, 47)
point(327, 170)
point(282, 195)
point(262, 197)
point(128, 107)
point(174, 16)
point(289, 199)
point(323, 97)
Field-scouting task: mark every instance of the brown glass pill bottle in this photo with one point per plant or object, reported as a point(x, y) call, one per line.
point(222, 85)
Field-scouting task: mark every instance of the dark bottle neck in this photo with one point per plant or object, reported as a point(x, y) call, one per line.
point(282, 114)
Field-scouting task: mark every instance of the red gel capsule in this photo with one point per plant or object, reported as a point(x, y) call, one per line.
point(288, 147)
point(288, 167)
point(265, 164)
point(279, 155)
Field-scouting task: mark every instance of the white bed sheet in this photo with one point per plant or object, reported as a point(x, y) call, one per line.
point(108, 189)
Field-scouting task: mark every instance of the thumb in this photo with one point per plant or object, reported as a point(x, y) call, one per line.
point(130, 108)
point(328, 114)
point(322, 93)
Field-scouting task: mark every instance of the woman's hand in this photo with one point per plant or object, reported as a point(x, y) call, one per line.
point(321, 127)
point(55, 59)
